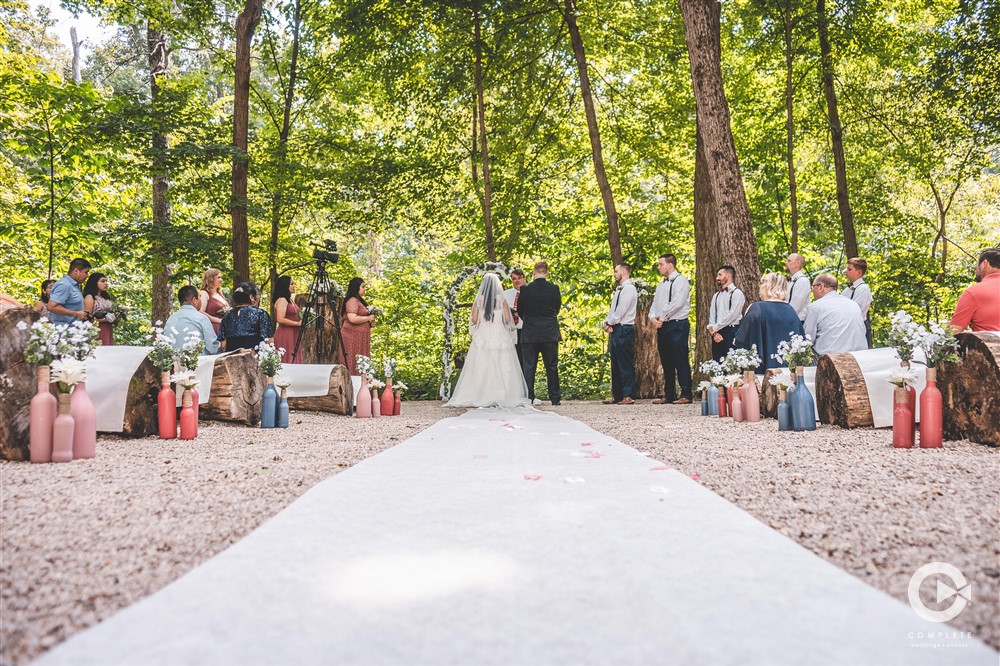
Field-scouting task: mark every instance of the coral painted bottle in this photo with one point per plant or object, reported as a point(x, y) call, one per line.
point(166, 407)
point(387, 397)
point(902, 419)
point(189, 422)
point(931, 425)
point(397, 404)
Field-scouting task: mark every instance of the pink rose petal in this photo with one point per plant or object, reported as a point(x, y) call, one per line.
point(587, 444)
point(595, 454)
point(696, 477)
point(660, 468)
point(531, 477)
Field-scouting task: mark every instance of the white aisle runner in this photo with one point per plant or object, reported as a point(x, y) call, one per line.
point(514, 538)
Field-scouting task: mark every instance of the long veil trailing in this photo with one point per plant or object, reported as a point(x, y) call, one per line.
point(491, 375)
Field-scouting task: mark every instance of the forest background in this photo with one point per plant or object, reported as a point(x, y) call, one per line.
point(428, 135)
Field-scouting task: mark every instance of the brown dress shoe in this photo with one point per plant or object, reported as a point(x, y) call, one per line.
point(609, 401)
point(661, 401)
point(683, 401)
point(627, 401)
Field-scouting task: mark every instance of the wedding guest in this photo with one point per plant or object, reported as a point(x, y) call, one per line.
point(511, 296)
point(620, 325)
point(978, 307)
point(41, 305)
point(356, 324)
point(66, 300)
point(190, 319)
point(538, 304)
point(859, 291)
point(97, 302)
point(245, 326)
point(669, 313)
point(212, 302)
point(833, 322)
point(286, 316)
point(725, 312)
point(769, 321)
point(798, 284)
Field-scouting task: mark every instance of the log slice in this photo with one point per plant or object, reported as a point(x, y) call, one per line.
point(237, 388)
point(338, 400)
point(17, 384)
point(970, 390)
point(841, 393)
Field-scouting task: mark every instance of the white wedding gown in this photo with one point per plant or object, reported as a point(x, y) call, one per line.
point(491, 376)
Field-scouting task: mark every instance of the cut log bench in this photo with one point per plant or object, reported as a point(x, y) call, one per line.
point(970, 390)
point(841, 393)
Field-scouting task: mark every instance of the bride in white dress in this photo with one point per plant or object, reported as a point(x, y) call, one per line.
point(491, 376)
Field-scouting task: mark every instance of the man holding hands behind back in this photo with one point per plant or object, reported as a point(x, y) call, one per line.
point(620, 324)
point(669, 314)
point(538, 306)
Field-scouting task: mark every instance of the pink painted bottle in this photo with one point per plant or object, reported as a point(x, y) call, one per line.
point(376, 404)
point(902, 419)
point(723, 403)
point(62, 431)
point(737, 406)
point(363, 401)
point(189, 422)
point(912, 392)
point(42, 415)
point(387, 397)
point(166, 406)
point(397, 404)
point(84, 422)
point(751, 398)
point(931, 424)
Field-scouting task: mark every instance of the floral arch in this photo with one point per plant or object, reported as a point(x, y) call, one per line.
point(450, 303)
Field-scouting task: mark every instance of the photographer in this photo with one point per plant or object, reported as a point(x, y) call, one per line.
point(97, 303)
point(66, 302)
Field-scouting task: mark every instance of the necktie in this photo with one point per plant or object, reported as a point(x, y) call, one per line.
point(670, 292)
point(614, 306)
point(516, 294)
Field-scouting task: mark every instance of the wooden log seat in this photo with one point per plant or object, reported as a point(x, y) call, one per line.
point(338, 399)
point(237, 388)
point(17, 383)
point(970, 390)
point(841, 394)
point(769, 394)
point(648, 370)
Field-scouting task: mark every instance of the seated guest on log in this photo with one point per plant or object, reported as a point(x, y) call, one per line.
point(978, 307)
point(833, 321)
point(189, 319)
point(245, 326)
point(356, 324)
point(97, 302)
point(211, 301)
point(41, 306)
point(286, 315)
point(769, 321)
point(66, 300)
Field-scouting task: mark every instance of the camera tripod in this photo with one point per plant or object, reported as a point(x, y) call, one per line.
point(319, 294)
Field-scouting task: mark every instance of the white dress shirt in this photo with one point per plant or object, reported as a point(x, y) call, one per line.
point(508, 296)
point(799, 289)
point(672, 300)
point(727, 308)
point(190, 319)
point(835, 325)
point(623, 305)
point(861, 294)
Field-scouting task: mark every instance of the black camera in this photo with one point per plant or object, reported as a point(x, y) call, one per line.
point(326, 252)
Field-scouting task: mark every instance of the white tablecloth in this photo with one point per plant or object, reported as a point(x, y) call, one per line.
point(877, 365)
point(308, 379)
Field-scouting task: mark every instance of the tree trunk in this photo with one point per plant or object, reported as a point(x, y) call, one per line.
point(159, 60)
point(790, 128)
point(708, 252)
point(246, 23)
point(735, 230)
point(484, 148)
point(970, 390)
point(614, 236)
point(77, 79)
point(836, 134)
point(277, 198)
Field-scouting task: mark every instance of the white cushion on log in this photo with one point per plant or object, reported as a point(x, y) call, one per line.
point(876, 366)
point(203, 373)
point(108, 375)
point(308, 379)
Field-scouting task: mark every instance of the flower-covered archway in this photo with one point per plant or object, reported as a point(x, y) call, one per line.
point(450, 303)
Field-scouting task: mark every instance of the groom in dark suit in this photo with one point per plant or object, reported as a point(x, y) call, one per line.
point(538, 305)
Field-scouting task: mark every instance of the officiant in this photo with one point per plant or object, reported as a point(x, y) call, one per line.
point(511, 296)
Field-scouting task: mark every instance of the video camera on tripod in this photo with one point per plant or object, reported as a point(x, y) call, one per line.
point(320, 300)
point(326, 252)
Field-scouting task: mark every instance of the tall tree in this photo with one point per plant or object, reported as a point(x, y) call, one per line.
point(246, 24)
point(836, 131)
point(708, 249)
point(159, 60)
point(702, 31)
point(477, 42)
point(614, 234)
point(790, 128)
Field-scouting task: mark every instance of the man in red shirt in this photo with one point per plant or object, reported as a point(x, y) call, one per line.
point(979, 306)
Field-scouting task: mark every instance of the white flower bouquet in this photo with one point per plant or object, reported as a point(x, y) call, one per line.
point(903, 377)
point(43, 342)
point(191, 350)
point(741, 360)
point(67, 372)
point(400, 386)
point(365, 366)
point(940, 344)
point(162, 353)
point(375, 310)
point(796, 351)
point(390, 367)
point(185, 379)
point(269, 358)
point(781, 379)
point(905, 335)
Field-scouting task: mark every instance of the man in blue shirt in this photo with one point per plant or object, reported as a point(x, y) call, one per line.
point(190, 319)
point(66, 300)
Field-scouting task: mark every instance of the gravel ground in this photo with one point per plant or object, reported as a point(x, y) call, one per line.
point(82, 540)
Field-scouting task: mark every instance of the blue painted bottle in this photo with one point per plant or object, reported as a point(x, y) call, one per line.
point(704, 405)
point(283, 409)
point(269, 404)
point(784, 414)
point(713, 400)
point(803, 409)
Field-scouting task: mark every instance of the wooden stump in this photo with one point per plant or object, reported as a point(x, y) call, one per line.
point(140, 403)
point(17, 384)
point(970, 390)
point(320, 341)
point(648, 371)
point(769, 394)
point(237, 388)
point(841, 393)
point(338, 400)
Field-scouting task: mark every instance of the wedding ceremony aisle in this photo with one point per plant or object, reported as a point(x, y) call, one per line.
point(514, 537)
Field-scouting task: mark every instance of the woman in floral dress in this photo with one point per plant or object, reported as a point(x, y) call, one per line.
point(97, 302)
point(356, 324)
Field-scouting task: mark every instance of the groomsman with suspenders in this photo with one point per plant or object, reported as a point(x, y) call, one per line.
point(799, 286)
point(726, 312)
point(669, 314)
point(859, 291)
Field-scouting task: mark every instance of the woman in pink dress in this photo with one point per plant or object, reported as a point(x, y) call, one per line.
point(213, 303)
point(97, 303)
point(356, 324)
point(286, 314)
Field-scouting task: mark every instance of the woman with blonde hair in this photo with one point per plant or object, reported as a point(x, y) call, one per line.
point(769, 321)
point(213, 303)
